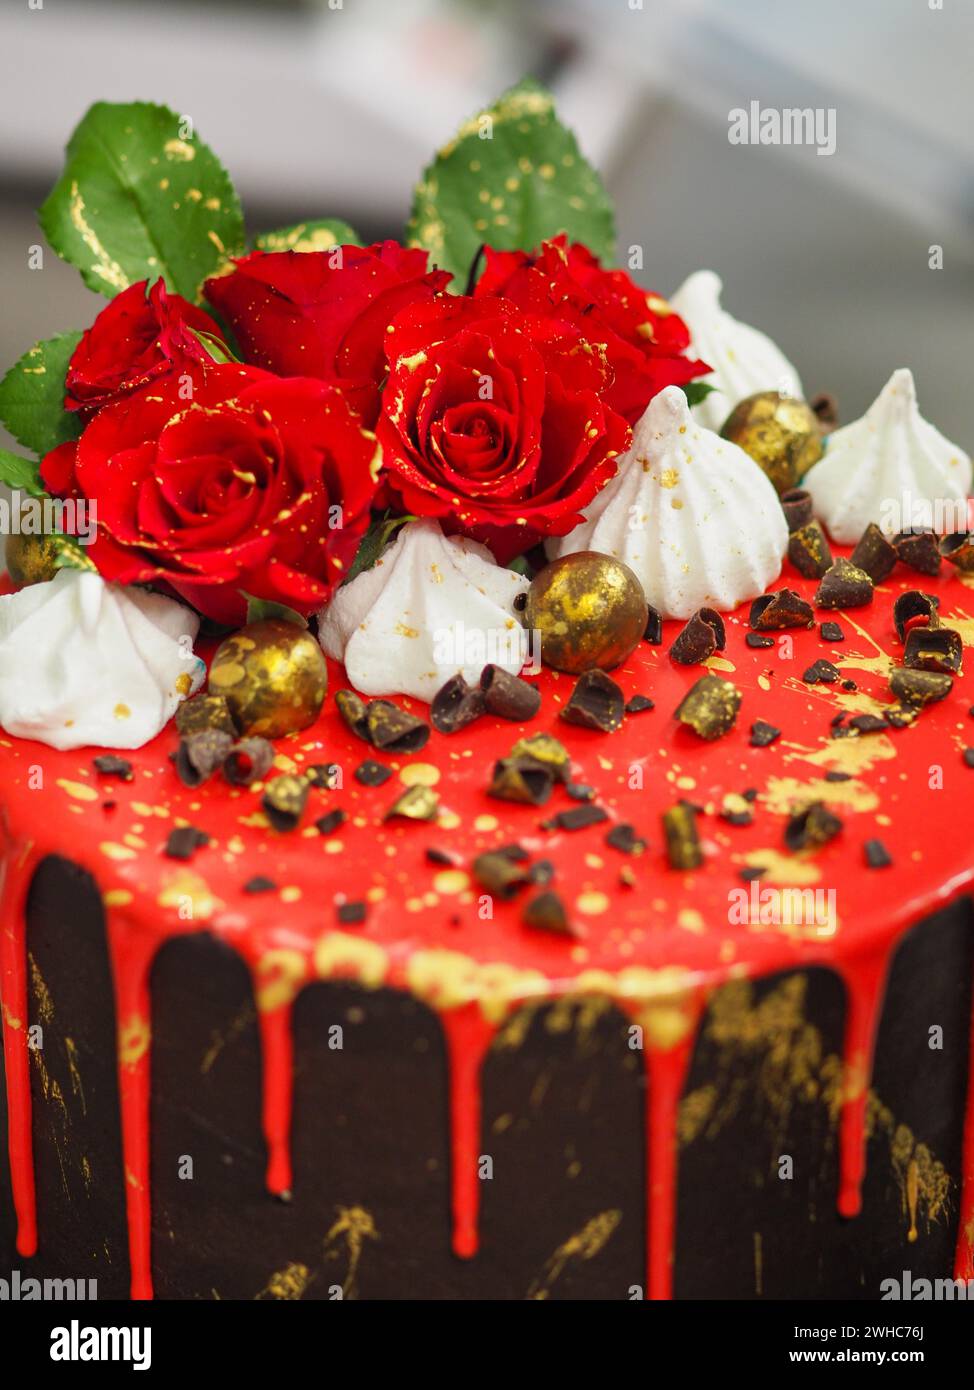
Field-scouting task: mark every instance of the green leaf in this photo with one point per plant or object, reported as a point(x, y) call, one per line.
point(20, 474)
point(260, 608)
point(309, 236)
point(512, 177)
point(141, 197)
point(71, 555)
point(32, 395)
point(697, 391)
point(375, 540)
point(216, 348)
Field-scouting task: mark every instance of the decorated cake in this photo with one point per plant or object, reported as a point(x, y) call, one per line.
point(483, 766)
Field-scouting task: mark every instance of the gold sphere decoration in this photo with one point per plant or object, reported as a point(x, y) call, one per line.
point(781, 434)
point(589, 610)
point(31, 559)
point(273, 676)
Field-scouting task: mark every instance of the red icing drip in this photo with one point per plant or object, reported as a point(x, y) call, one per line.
point(468, 1036)
point(666, 1071)
point(964, 1255)
point(865, 978)
point(16, 872)
point(277, 1050)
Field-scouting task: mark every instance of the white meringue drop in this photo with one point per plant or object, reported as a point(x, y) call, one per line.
point(84, 663)
point(744, 360)
point(690, 513)
point(881, 466)
point(431, 606)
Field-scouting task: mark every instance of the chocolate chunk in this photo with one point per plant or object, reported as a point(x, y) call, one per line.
point(831, 632)
point(199, 755)
point(205, 712)
point(735, 810)
point(915, 609)
point(682, 840)
point(958, 549)
point(969, 757)
point(874, 554)
point(654, 627)
point(508, 696)
point(415, 803)
point(546, 912)
point(521, 779)
point(579, 791)
point(919, 550)
point(783, 608)
point(710, 707)
point(441, 857)
point(595, 703)
point(499, 874)
point(111, 766)
point(809, 552)
point(545, 749)
point(330, 821)
point(372, 774)
point(248, 761)
point(184, 841)
point(899, 717)
point(876, 854)
point(541, 871)
point(284, 800)
point(796, 504)
point(933, 649)
point(919, 687)
point(514, 851)
point(578, 818)
point(259, 884)
point(394, 730)
point(623, 837)
point(834, 775)
point(351, 914)
point(327, 777)
point(755, 639)
point(812, 827)
point(849, 685)
point(701, 637)
point(763, 734)
point(844, 586)
point(636, 704)
point(455, 705)
point(353, 710)
point(868, 723)
point(821, 671)
point(750, 872)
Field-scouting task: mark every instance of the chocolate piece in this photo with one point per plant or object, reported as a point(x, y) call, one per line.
point(933, 649)
point(514, 851)
point(595, 703)
point(259, 884)
point(623, 837)
point(205, 712)
point(849, 685)
point(844, 586)
point(199, 755)
point(654, 628)
point(579, 818)
point(547, 912)
point(809, 552)
point(831, 632)
point(521, 779)
point(710, 707)
point(825, 408)
point(868, 723)
point(875, 554)
point(441, 857)
point(636, 704)
point(750, 872)
point(958, 549)
point(834, 775)
point(682, 841)
point(876, 854)
point(394, 730)
point(701, 637)
point(545, 749)
point(499, 874)
point(284, 800)
point(541, 871)
point(372, 774)
point(353, 710)
point(755, 639)
point(796, 504)
point(330, 821)
point(915, 605)
point(455, 705)
point(248, 761)
point(416, 803)
point(821, 671)
point(763, 734)
point(508, 696)
point(351, 914)
point(919, 550)
point(324, 776)
point(736, 810)
point(579, 791)
point(783, 608)
point(900, 717)
point(111, 766)
point(919, 687)
point(969, 757)
point(184, 841)
point(811, 827)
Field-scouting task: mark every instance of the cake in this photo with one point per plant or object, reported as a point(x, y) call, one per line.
point(555, 888)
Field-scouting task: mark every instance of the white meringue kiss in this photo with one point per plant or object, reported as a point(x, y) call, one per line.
point(744, 360)
point(690, 513)
point(881, 467)
point(85, 663)
point(430, 607)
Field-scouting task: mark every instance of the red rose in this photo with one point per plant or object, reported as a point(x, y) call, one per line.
point(643, 339)
point(324, 313)
point(141, 335)
point(494, 421)
point(257, 485)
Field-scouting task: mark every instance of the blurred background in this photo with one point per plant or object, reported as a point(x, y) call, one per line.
point(331, 107)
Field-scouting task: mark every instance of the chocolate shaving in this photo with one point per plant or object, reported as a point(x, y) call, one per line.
point(284, 800)
point(205, 712)
point(763, 734)
point(351, 914)
point(521, 779)
point(831, 632)
point(184, 841)
point(755, 639)
point(701, 637)
point(796, 504)
point(812, 827)
point(579, 791)
point(455, 705)
point(416, 803)
point(441, 857)
point(394, 730)
point(199, 755)
point(654, 627)
point(541, 871)
point(710, 707)
point(874, 554)
point(546, 749)
point(844, 586)
point(821, 671)
point(111, 766)
point(919, 688)
point(809, 552)
point(750, 872)
point(248, 761)
point(499, 874)
point(958, 549)
point(372, 774)
point(834, 775)
point(636, 704)
point(595, 703)
point(324, 776)
point(623, 837)
point(933, 649)
point(578, 818)
point(915, 605)
point(353, 710)
point(259, 884)
point(546, 912)
point(876, 854)
point(868, 723)
point(330, 821)
point(919, 550)
point(508, 696)
point(682, 840)
point(736, 810)
point(784, 608)
point(969, 757)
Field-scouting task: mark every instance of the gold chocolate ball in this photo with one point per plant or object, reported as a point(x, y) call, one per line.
point(273, 676)
point(781, 433)
point(31, 559)
point(589, 610)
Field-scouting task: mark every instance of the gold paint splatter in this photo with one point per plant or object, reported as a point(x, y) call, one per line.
point(81, 791)
point(583, 1245)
